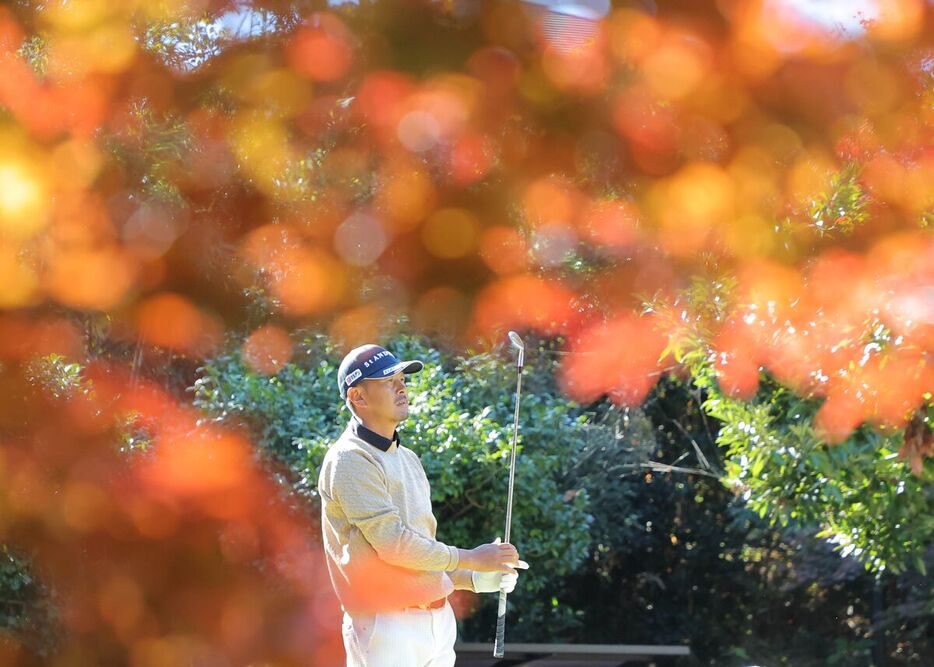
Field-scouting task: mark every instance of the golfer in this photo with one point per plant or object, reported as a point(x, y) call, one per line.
point(391, 575)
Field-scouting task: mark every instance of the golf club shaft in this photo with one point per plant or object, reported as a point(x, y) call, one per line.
point(499, 645)
point(512, 460)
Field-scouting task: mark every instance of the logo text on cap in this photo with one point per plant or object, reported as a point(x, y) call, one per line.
point(375, 357)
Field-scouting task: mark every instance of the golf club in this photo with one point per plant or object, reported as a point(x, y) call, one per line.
point(499, 645)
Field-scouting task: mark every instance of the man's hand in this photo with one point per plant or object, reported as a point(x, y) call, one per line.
point(493, 557)
point(493, 582)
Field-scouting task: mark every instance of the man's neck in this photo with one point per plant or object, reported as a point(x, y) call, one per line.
point(384, 428)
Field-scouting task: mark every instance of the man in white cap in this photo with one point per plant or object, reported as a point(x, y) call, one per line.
point(390, 574)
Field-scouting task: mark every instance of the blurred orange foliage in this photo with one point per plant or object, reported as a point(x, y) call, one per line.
point(168, 165)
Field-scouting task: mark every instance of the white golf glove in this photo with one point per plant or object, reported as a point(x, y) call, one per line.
point(493, 582)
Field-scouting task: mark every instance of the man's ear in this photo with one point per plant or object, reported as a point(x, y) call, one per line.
point(355, 394)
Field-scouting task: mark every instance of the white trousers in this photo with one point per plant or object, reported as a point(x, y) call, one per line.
point(409, 638)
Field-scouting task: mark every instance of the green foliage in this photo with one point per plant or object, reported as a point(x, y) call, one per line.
point(696, 313)
point(681, 558)
point(153, 148)
point(57, 377)
point(27, 609)
point(667, 552)
point(860, 492)
point(16, 582)
point(293, 415)
point(133, 435)
point(843, 206)
point(183, 45)
point(61, 379)
point(34, 51)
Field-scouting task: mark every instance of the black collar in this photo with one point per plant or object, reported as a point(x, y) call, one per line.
point(372, 437)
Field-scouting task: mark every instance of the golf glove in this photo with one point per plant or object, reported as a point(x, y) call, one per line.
point(493, 582)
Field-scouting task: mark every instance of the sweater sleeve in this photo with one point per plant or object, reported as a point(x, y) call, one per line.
point(359, 487)
point(463, 580)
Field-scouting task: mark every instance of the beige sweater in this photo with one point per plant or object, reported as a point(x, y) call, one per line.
point(379, 530)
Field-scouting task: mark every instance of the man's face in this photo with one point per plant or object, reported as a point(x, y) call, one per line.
point(386, 398)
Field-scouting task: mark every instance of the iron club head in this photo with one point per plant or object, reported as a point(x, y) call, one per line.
point(517, 343)
point(516, 340)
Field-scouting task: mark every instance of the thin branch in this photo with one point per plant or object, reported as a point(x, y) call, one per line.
point(657, 466)
point(700, 455)
point(679, 459)
point(697, 450)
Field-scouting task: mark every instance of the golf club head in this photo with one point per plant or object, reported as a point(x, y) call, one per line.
point(516, 340)
point(517, 343)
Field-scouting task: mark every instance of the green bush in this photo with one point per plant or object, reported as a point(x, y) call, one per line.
point(861, 492)
point(286, 412)
point(27, 608)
